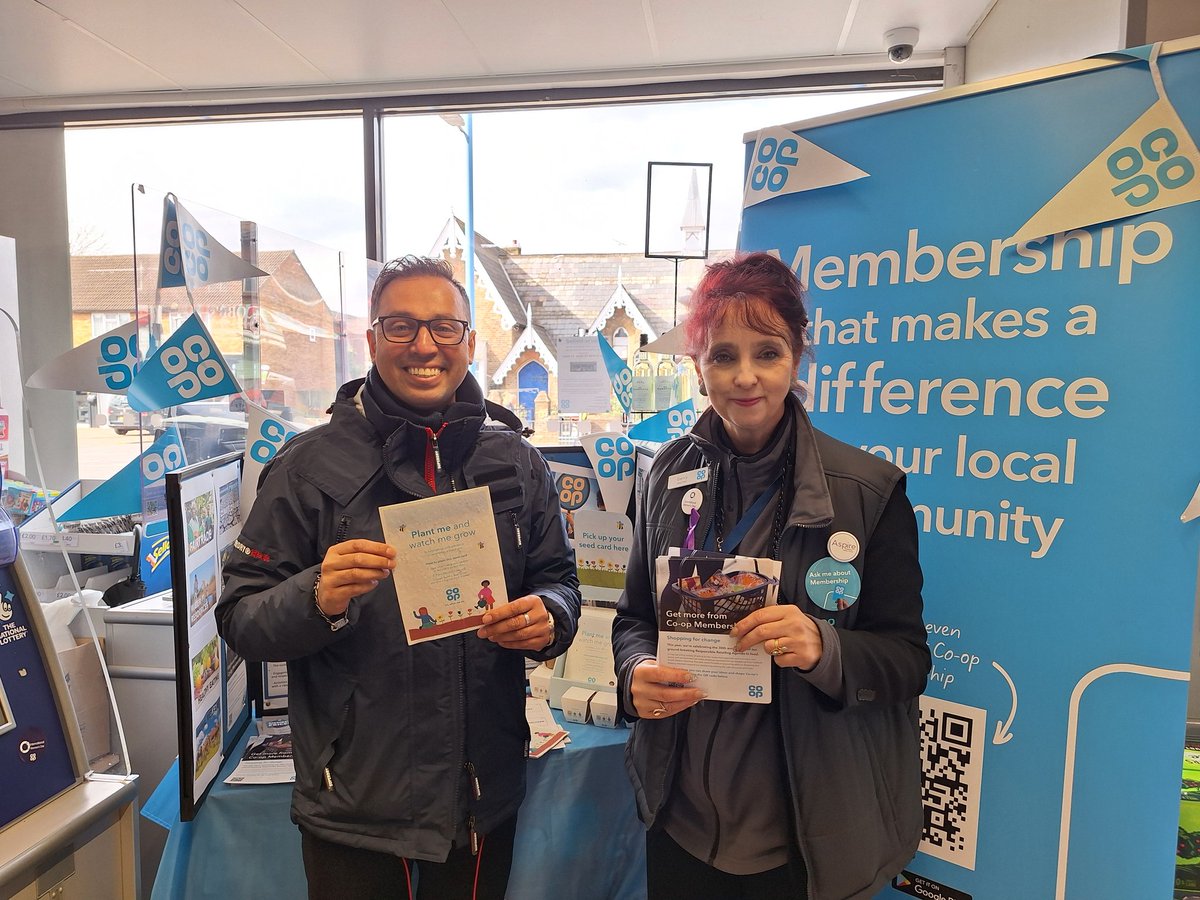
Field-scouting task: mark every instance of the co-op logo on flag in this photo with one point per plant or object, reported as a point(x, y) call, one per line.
point(616, 457)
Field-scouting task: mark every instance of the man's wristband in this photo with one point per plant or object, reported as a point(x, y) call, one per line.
point(334, 624)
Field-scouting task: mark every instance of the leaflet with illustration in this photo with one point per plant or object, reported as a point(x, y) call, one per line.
point(267, 760)
point(448, 570)
point(701, 597)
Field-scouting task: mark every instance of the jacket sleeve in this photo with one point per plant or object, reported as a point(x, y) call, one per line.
point(885, 656)
point(635, 629)
point(549, 559)
point(267, 611)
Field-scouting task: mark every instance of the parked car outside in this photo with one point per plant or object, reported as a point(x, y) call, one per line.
point(123, 418)
point(207, 428)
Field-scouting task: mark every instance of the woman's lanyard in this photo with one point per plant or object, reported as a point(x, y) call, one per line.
point(730, 544)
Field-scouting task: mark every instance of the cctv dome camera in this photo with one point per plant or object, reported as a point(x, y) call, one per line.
point(899, 43)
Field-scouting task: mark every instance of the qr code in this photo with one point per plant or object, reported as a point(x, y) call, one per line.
point(952, 740)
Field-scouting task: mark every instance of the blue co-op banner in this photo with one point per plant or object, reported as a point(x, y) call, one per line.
point(1041, 391)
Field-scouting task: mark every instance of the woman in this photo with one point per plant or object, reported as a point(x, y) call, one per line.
point(817, 794)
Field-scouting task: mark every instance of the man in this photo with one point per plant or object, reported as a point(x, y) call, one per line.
point(403, 754)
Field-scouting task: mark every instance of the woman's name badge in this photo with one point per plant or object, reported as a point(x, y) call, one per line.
point(683, 479)
point(832, 585)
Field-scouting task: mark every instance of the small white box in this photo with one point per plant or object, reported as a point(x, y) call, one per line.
point(575, 704)
point(539, 682)
point(604, 709)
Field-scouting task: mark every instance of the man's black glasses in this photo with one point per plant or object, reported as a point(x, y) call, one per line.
point(403, 329)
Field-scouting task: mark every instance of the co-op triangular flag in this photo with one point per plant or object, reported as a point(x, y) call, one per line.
point(191, 256)
point(122, 494)
point(1152, 165)
point(106, 364)
point(666, 425)
point(265, 434)
point(188, 366)
point(618, 372)
point(782, 162)
point(612, 456)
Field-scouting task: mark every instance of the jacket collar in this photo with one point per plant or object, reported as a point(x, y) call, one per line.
point(812, 507)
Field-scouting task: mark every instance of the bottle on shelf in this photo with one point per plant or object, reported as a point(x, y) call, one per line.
point(664, 383)
point(643, 380)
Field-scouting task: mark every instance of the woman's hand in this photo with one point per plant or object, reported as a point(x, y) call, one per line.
point(660, 691)
point(788, 634)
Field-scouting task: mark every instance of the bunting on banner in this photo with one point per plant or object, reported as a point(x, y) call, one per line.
point(618, 372)
point(188, 366)
point(265, 434)
point(611, 455)
point(785, 163)
point(1192, 510)
point(107, 364)
point(122, 494)
point(666, 425)
point(191, 256)
point(1152, 165)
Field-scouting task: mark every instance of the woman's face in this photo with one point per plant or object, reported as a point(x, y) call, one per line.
point(748, 374)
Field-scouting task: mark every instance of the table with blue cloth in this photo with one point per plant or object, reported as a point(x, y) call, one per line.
point(577, 835)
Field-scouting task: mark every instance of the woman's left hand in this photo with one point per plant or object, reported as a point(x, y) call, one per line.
point(789, 635)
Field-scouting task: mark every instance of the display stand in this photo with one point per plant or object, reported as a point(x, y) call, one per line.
point(62, 829)
point(582, 682)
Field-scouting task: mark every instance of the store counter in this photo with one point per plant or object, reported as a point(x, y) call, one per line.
point(577, 836)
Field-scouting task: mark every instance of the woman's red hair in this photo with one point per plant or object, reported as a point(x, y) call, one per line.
point(728, 289)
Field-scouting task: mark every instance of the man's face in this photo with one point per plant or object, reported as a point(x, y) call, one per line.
point(422, 374)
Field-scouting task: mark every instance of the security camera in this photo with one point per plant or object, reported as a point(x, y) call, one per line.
point(900, 42)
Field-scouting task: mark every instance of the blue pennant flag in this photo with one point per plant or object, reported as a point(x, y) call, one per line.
point(618, 372)
point(666, 425)
point(122, 494)
point(188, 366)
point(191, 257)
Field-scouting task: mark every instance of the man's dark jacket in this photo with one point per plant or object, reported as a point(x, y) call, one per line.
point(406, 733)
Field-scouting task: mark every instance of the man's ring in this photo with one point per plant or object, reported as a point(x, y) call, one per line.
point(659, 712)
point(778, 649)
point(527, 622)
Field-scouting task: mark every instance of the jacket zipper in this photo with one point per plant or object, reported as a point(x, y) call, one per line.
point(343, 528)
point(710, 502)
point(327, 774)
point(475, 789)
point(516, 527)
point(712, 739)
point(787, 774)
point(467, 764)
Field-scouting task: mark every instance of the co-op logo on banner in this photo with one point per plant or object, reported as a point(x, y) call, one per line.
point(271, 436)
point(119, 355)
point(1155, 163)
point(156, 465)
point(615, 457)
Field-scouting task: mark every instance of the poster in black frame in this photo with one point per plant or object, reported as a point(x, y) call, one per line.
point(212, 698)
